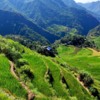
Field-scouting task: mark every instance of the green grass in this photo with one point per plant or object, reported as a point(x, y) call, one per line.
point(56, 73)
point(5, 96)
point(83, 60)
point(39, 69)
point(75, 89)
point(7, 81)
point(40, 66)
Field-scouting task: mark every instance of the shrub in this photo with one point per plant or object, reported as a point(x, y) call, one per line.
point(86, 79)
point(94, 92)
point(25, 70)
point(21, 62)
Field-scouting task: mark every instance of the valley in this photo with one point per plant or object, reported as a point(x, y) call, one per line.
point(49, 50)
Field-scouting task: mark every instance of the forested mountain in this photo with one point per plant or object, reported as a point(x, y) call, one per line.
point(16, 24)
point(43, 13)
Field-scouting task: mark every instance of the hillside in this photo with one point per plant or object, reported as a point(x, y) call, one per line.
point(94, 34)
point(81, 59)
point(44, 76)
point(16, 24)
point(49, 50)
point(43, 12)
point(95, 31)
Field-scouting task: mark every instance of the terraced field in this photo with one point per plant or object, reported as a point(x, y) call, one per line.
point(83, 59)
point(53, 81)
point(45, 76)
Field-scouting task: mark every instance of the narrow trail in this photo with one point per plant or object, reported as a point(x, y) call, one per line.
point(95, 53)
point(31, 96)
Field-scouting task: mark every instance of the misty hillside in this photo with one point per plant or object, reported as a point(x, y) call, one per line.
point(93, 7)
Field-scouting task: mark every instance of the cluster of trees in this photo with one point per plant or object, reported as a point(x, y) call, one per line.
point(13, 51)
point(30, 43)
point(77, 40)
point(48, 51)
point(88, 81)
point(35, 45)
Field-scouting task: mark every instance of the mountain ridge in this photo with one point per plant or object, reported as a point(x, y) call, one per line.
point(15, 23)
point(93, 7)
point(43, 12)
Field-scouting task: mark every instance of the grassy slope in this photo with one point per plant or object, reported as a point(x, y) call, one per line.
point(40, 85)
point(7, 81)
point(81, 59)
point(40, 65)
point(97, 41)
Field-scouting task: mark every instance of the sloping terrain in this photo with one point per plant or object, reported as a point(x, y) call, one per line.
point(16, 24)
point(94, 35)
point(44, 76)
point(82, 59)
point(11, 87)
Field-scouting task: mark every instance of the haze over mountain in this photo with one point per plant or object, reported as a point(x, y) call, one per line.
point(94, 7)
point(43, 12)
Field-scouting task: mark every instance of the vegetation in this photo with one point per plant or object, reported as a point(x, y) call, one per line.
point(86, 79)
point(17, 24)
point(32, 67)
point(94, 35)
point(77, 40)
point(44, 76)
point(7, 81)
point(43, 14)
point(81, 59)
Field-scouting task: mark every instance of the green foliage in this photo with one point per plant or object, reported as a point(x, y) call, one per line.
point(86, 79)
point(21, 62)
point(43, 75)
point(82, 59)
point(7, 81)
point(58, 30)
point(94, 35)
point(26, 72)
point(77, 40)
point(94, 92)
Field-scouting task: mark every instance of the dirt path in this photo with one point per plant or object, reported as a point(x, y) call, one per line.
point(31, 96)
point(95, 53)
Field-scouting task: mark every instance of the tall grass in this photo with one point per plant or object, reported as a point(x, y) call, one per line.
point(7, 81)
